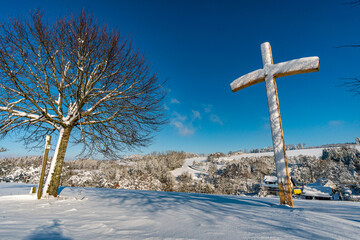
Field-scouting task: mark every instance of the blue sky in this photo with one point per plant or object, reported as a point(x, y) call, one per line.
point(200, 47)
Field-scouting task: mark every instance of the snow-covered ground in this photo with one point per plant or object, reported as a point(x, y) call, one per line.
point(187, 167)
point(129, 214)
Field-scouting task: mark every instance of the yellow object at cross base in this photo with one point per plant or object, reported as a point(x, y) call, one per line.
point(297, 191)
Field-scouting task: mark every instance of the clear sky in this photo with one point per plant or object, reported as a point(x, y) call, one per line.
point(200, 47)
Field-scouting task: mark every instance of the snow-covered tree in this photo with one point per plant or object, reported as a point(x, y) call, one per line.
point(77, 79)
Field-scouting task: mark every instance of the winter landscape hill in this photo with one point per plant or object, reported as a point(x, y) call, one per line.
point(102, 213)
point(94, 213)
point(218, 173)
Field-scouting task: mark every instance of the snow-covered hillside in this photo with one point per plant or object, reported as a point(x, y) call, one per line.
point(94, 213)
point(217, 173)
point(195, 172)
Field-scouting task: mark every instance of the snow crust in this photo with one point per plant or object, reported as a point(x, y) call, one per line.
point(134, 214)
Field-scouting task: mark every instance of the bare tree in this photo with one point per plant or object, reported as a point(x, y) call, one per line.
point(79, 79)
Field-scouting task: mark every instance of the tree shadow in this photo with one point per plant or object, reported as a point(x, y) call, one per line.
point(52, 231)
point(153, 202)
point(210, 208)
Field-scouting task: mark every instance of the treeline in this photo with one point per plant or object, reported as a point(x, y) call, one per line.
point(153, 172)
point(150, 172)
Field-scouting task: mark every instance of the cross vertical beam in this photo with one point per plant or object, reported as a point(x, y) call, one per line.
point(268, 74)
point(282, 169)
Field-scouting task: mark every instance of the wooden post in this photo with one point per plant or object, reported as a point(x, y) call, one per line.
point(282, 170)
point(47, 148)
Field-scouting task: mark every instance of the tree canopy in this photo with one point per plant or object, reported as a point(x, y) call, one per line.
point(80, 79)
point(76, 73)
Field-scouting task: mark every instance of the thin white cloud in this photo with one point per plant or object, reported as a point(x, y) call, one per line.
point(196, 115)
point(174, 101)
point(336, 122)
point(182, 129)
point(215, 119)
point(208, 108)
point(209, 112)
point(179, 117)
point(266, 122)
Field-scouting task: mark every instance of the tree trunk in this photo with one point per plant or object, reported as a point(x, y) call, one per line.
point(53, 179)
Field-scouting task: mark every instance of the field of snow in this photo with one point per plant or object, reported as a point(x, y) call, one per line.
point(90, 213)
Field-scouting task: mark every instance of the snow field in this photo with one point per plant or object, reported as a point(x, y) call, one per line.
point(131, 214)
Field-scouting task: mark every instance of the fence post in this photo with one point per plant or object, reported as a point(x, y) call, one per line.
point(47, 148)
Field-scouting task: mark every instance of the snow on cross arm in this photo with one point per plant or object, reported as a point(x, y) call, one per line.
point(296, 66)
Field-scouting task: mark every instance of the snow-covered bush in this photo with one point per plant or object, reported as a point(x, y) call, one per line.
point(341, 172)
point(23, 169)
point(187, 184)
point(345, 154)
point(85, 164)
point(215, 156)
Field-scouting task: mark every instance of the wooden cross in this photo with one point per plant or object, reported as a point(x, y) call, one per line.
point(268, 74)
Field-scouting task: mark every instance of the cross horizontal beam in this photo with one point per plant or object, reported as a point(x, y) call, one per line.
point(301, 65)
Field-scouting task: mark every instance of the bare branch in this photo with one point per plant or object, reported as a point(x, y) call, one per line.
point(349, 45)
point(352, 84)
point(354, 3)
